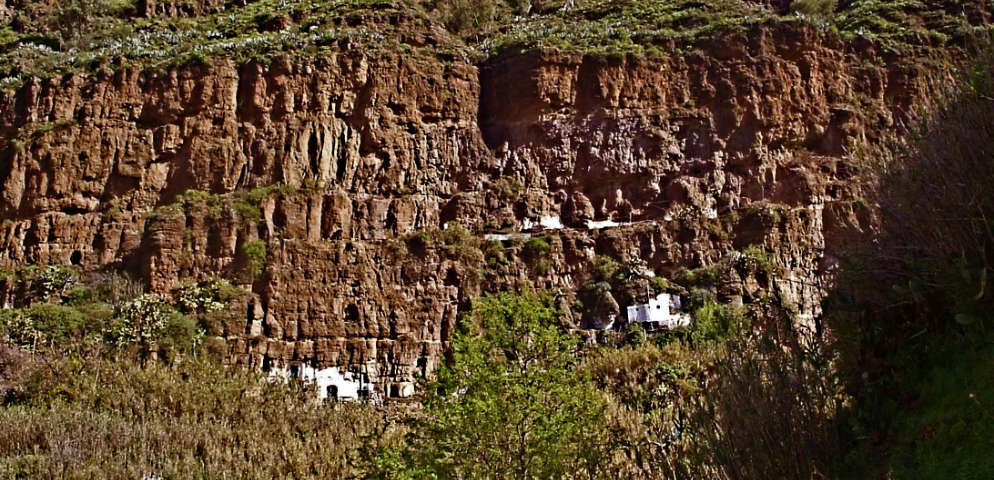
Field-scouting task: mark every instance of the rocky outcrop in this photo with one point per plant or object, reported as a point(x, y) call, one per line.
point(336, 163)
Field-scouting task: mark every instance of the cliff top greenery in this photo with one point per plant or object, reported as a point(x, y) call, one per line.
point(43, 38)
point(50, 40)
point(655, 27)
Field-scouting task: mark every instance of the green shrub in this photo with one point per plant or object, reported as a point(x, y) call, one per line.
point(79, 295)
point(139, 321)
point(662, 285)
point(509, 189)
point(91, 417)
point(162, 212)
point(495, 254)
point(635, 335)
point(536, 248)
point(762, 389)
point(419, 242)
point(247, 203)
point(44, 324)
point(715, 322)
point(758, 259)
point(256, 257)
point(911, 306)
point(461, 244)
point(247, 212)
point(644, 376)
point(54, 280)
point(180, 334)
point(199, 199)
point(606, 268)
point(116, 288)
point(699, 277)
point(536, 254)
point(462, 16)
point(207, 296)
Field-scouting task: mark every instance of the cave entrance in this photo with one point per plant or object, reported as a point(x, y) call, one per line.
point(351, 313)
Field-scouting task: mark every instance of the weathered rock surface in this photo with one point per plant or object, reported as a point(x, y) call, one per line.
point(741, 144)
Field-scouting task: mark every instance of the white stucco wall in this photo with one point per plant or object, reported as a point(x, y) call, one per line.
point(347, 385)
point(657, 312)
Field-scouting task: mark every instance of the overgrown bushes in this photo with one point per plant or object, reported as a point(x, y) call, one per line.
point(113, 310)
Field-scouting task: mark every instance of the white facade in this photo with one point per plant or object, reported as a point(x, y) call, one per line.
point(503, 237)
point(599, 224)
point(547, 222)
point(330, 383)
point(656, 314)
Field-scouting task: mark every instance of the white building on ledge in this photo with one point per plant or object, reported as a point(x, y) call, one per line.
point(656, 314)
point(330, 383)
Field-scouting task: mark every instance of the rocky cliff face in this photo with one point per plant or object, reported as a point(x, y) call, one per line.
point(349, 166)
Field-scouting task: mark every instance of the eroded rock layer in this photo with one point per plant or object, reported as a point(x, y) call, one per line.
point(349, 166)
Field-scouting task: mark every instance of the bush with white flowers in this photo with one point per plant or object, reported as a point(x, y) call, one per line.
point(140, 320)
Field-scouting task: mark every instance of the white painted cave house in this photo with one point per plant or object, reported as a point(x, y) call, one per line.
point(331, 384)
point(657, 314)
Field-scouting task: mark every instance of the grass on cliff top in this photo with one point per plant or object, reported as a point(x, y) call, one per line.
point(655, 27)
point(257, 31)
point(640, 26)
point(45, 40)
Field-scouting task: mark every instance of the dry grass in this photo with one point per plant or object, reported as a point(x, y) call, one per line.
point(98, 418)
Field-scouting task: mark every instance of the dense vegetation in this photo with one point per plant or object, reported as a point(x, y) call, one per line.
point(912, 308)
point(519, 395)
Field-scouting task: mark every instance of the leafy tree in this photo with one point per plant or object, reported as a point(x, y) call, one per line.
point(510, 404)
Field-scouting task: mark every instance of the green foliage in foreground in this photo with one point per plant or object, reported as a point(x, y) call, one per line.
point(517, 398)
point(510, 405)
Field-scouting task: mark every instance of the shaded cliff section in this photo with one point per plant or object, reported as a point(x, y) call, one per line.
point(339, 164)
